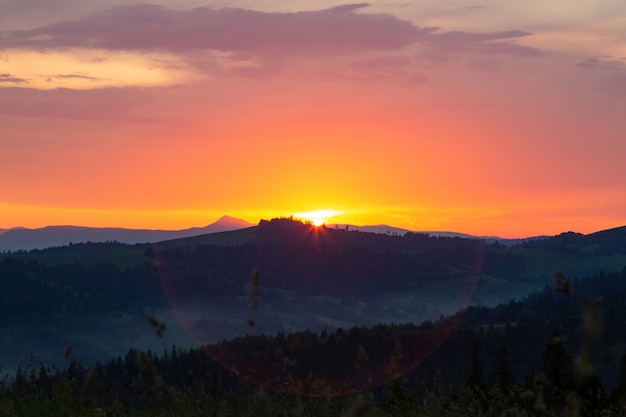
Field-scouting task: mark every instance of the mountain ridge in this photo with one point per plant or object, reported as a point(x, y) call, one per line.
point(60, 235)
point(21, 238)
point(387, 229)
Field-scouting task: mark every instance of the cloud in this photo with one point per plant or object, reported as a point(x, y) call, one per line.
point(78, 77)
point(602, 62)
point(484, 43)
point(82, 77)
point(331, 31)
point(98, 104)
point(341, 42)
point(609, 69)
point(9, 78)
point(150, 28)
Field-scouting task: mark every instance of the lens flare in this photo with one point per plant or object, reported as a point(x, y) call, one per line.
point(290, 277)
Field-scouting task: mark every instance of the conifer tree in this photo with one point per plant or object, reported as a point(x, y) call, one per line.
point(619, 393)
point(503, 370)
point(557, 367)
point(475, 378)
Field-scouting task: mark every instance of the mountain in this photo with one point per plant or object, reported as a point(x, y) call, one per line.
point(391, 230)
point(3, 231)
point(27, 239)
point(224, 224)
point(603, 243)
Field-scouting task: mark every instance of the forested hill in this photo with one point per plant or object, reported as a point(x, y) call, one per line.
point(586, 313)
point(96, 297)
point(310, 260)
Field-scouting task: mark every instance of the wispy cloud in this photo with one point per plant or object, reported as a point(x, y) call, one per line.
point(9, 78)
point(493, 43)
point(603, 63)
point(99, 104)
point(74, 76)
point(611, 71)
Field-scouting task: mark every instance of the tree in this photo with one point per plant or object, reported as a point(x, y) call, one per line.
point(619, 392)
point(503, 370)
point(475, 378)
point(557, 367)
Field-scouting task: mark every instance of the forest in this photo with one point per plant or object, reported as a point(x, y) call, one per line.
point(557, 350)
point(567, 360)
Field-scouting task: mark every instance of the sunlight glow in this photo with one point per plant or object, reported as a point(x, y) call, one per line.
point(318, 217)
point(80, 69)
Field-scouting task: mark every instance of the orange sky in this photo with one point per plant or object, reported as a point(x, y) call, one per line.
point(449, 117)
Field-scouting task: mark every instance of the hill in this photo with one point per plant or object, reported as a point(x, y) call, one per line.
point(96, 296)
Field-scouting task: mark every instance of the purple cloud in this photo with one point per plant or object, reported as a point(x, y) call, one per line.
point(331, 31)
point(484, 43)
point(99, 104)
point(149, 28)
point(612, 69)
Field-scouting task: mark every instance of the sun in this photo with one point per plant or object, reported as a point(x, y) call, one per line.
point(318, 217)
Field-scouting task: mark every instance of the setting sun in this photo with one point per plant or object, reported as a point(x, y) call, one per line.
point(318, 217)
point(394, 114)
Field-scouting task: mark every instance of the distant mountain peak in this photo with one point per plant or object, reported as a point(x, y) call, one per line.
point(227, 218)
point(224, 224)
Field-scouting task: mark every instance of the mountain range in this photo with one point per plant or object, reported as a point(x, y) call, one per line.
point(21, 238)
point(27, 239)
point(391, 230)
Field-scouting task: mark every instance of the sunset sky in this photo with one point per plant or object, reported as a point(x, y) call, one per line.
point(483, 117)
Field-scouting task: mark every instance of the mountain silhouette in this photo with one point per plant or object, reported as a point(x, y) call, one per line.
point(223, 224)
point(41, 238)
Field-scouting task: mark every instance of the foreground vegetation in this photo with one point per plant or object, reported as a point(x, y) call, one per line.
point(302, 374)
point(143, 388)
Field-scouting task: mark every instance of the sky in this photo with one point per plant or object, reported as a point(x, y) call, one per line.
point(482, 117)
